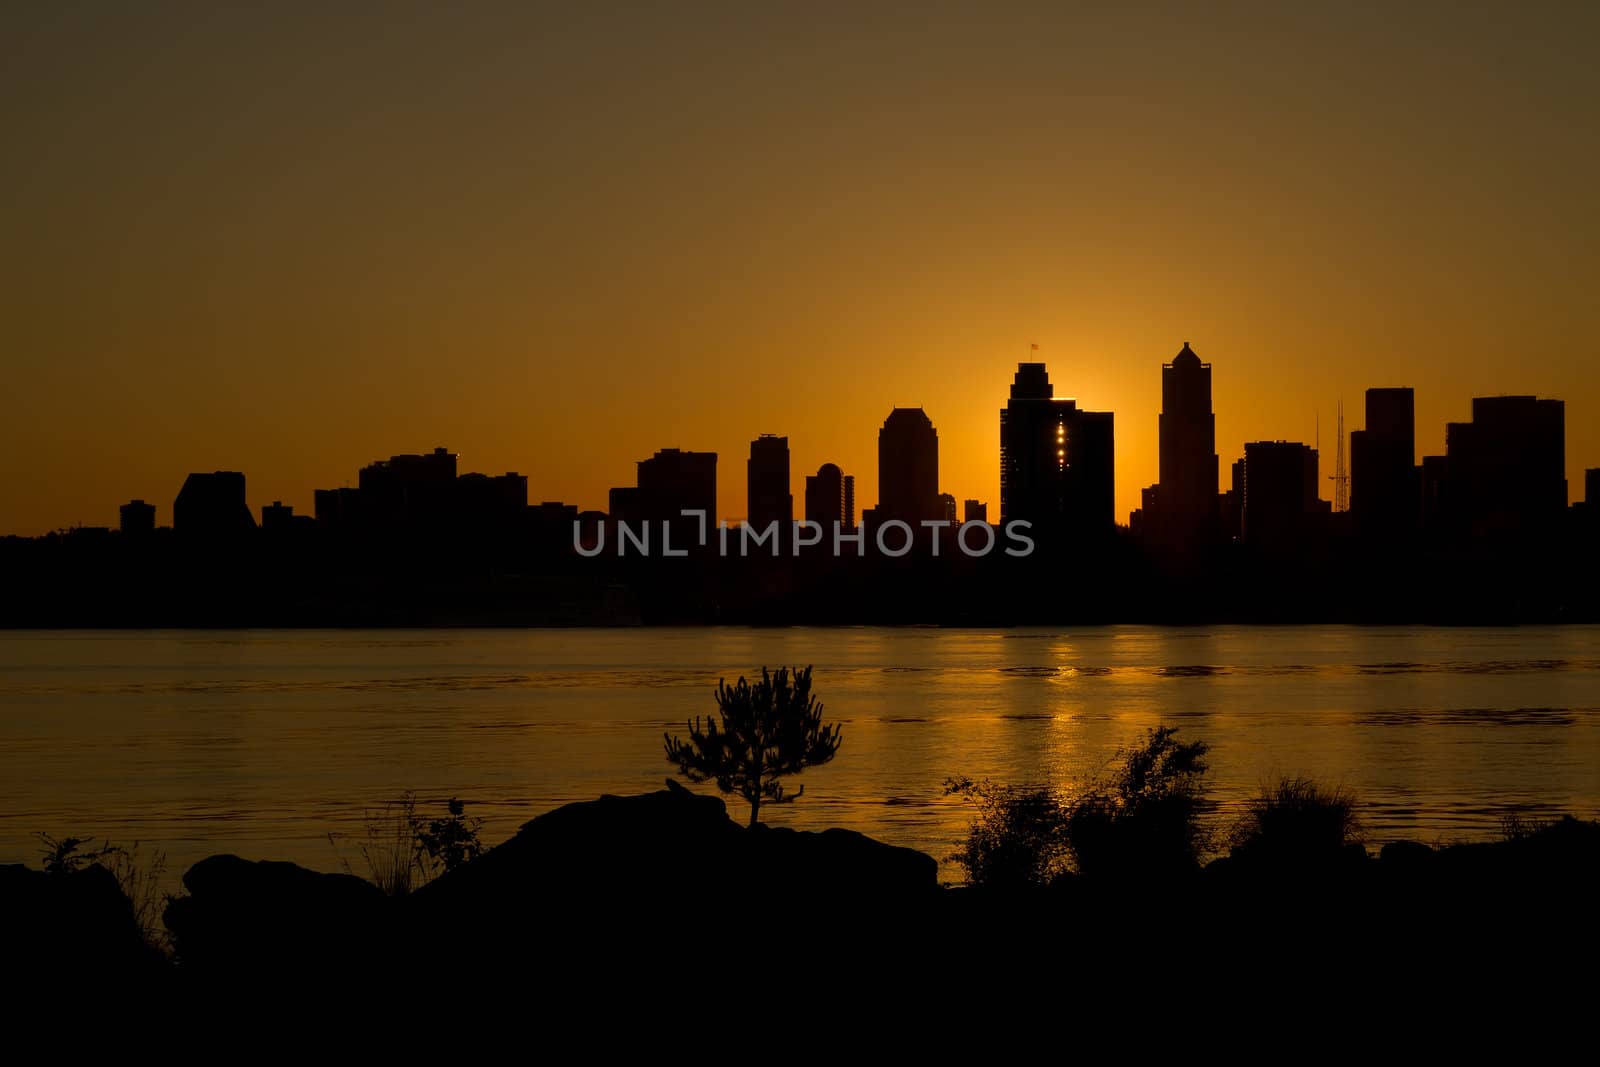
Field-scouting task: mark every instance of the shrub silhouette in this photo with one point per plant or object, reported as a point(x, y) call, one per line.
point(1141, 820)
point(452, 841)
point(64, 855)
point(1145, 820)
point(402, 850)
point(1298, 819)
point(1019, 837)
point(138, 877)
point(769, 730)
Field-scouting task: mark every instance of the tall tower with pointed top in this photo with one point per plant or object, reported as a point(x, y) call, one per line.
point(1188, 452)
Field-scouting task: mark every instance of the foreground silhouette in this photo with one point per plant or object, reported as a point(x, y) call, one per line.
point(769, 730)
point(602, 891)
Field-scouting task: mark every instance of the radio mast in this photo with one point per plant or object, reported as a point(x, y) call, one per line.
point(1341, 475)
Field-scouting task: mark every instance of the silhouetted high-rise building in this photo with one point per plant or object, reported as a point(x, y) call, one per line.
point(947, 502)
point(1057, 463)
point(491, 503)
point(1231, 503)
point(1591, 486)
point(1434, 512)
point(669, 483)
point(138, 518)
point(1186, 503)
point(1503, 474)
point(1280, 505)
point(413, 496)
point(908, 468)
point(550, 526)
point(408, 491)
point(849, 501)
point(338, 509)
point(826, 499)
point(1385, 491)
point(768, 499)
point(974, 511)
point(673, 481)
point(212, 506)
point(622, 504)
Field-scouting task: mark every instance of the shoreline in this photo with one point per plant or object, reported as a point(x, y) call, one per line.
point(586, 884)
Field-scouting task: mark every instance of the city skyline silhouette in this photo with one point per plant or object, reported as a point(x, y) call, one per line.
point(1178, 451)
point(779, 221)
point(1481, 530)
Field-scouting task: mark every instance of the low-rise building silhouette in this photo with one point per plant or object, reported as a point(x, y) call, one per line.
point(408, 491)
point(138, 519)
point(974, 511)
point(212, 506)
point(411, 496)
point(490, 503)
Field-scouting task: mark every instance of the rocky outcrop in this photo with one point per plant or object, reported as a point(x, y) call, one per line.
point(616, 876)
point(76, 924)
point(590, 882)
point(258, 917)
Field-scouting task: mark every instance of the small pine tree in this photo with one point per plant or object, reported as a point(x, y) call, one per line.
point(769, 730)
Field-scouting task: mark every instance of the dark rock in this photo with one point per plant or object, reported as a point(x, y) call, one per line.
point(616, 877)
point(1406, 855)
point(266, 917)
point(842, 864)
point(76, 923)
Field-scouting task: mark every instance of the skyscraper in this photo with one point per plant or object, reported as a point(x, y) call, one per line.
point(1185, 504)
point(1056, 461)
point(825, 497)
point(1385, 491)
point(768, 499)
point(908, 468)
point(673, 481)
point(1504, 474)
point(1280, 503)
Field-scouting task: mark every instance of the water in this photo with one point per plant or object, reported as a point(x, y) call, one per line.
point(262, 742)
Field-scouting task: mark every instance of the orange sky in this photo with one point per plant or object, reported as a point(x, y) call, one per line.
point(554, 241)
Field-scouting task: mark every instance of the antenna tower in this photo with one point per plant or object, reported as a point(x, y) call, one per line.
point(1341, 474)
